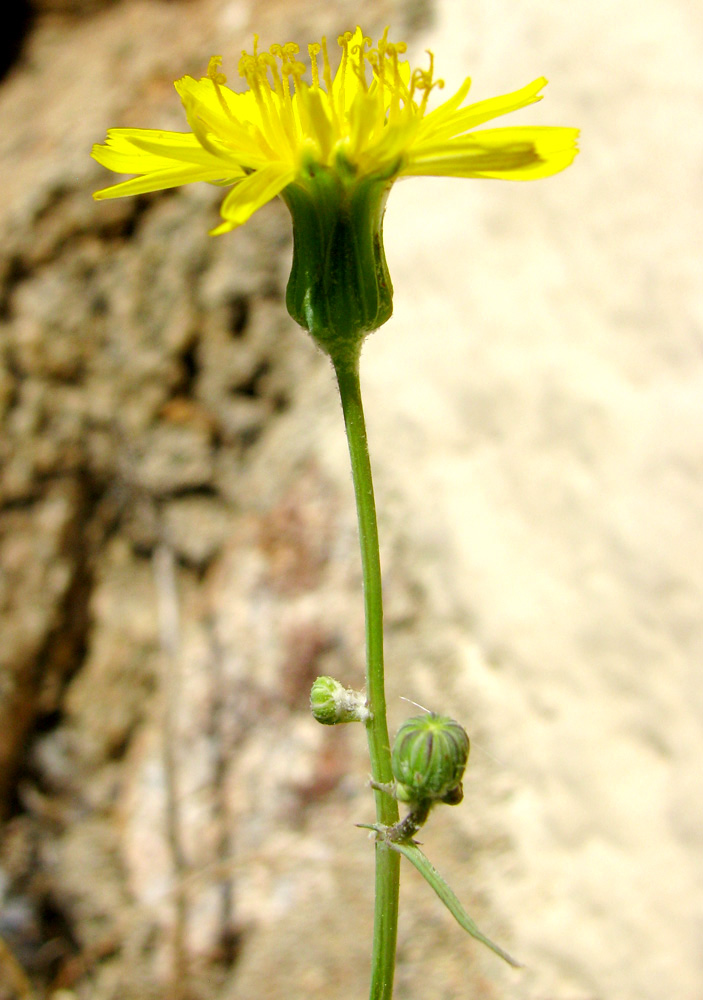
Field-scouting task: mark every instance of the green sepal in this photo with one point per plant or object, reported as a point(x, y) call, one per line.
point(415, 856)
point(339, 287)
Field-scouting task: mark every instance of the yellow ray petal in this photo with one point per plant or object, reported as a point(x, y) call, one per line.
point(504, 153)
point(363, 121)
point(312, 105)
point(441, 124)
point(139, 151)
point(250, 194)
point(243, 144)
point(434, 119)
point(159, 180)
point(202, 93)
point(121, 155)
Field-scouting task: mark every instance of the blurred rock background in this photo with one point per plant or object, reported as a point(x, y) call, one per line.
point(178, 555)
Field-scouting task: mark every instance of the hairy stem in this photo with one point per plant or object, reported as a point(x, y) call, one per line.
point(387, 861)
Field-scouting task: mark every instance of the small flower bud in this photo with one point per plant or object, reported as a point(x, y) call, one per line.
point(429, 757)
point(331, 703)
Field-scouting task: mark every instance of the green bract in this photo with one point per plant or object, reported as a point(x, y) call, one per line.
point(339, 287)
point(429, 758)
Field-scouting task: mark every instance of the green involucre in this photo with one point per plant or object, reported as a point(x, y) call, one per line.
point(339, 287)
point(429, 757)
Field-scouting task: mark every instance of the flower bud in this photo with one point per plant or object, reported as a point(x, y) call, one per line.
point(429, 757)
point(331, 703)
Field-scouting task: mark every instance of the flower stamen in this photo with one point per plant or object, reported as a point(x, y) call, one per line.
point(327, 77)
point(254, 68)
point(314, 50)
point(358, 65)
point(219, 80)
point(284, 114)
point(343, 42)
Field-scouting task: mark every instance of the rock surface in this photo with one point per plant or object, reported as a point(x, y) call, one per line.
point(178, 557)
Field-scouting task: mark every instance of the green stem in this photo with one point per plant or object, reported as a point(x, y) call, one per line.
point(387, 861)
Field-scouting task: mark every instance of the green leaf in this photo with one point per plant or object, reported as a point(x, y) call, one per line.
point(415, 856)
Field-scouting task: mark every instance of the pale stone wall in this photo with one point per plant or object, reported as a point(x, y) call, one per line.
point(177, 537)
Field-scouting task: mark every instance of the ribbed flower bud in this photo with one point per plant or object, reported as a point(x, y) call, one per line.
point(429, 757)
point(331, 703)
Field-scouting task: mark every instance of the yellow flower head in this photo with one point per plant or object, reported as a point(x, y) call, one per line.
point(372, 117)
point(331, 147)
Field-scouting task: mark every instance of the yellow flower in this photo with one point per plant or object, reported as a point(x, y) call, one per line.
point(331, 148)
point(372, 116)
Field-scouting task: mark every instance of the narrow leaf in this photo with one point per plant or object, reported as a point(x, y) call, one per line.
point(415, 856)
